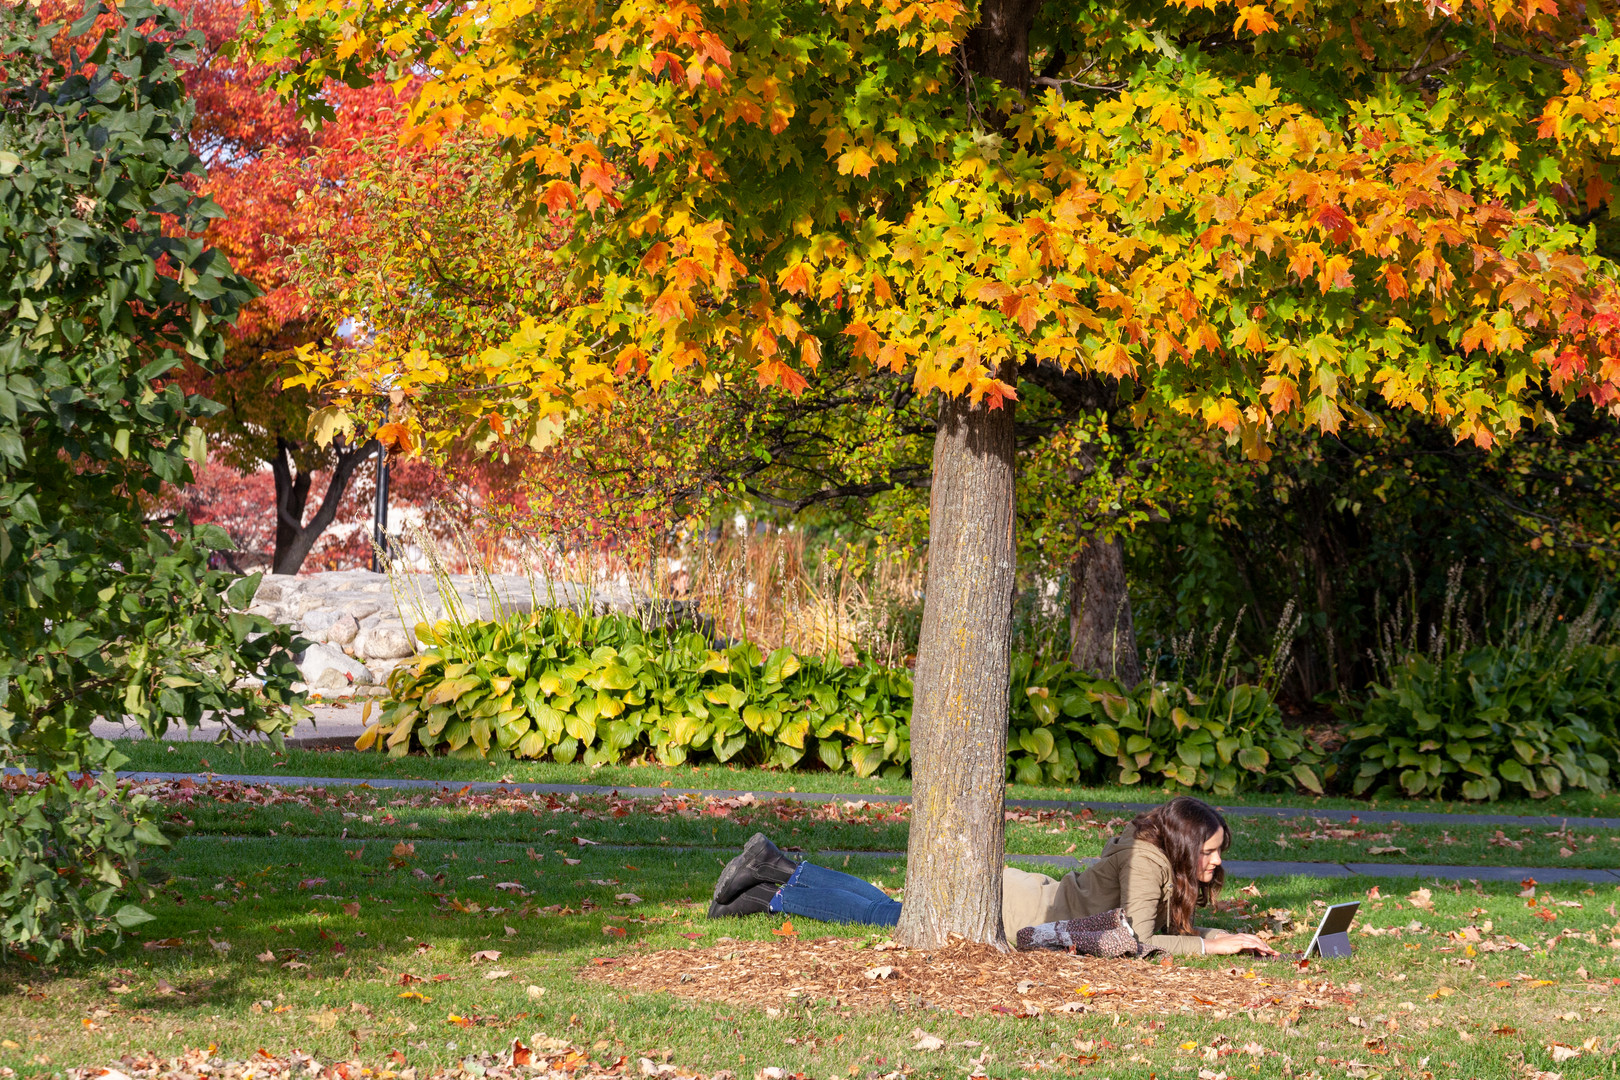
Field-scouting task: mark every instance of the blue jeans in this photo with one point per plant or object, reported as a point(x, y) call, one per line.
point(815, 892)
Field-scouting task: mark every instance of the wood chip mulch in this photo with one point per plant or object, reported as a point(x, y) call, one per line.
point(962, 978)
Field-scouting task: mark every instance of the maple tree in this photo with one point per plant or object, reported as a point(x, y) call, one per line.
point(1257, 215)
point(275, 180)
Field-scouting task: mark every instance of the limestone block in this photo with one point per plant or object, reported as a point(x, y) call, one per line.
point(316, 623)
point(384, 642)
point(342, 631)
point(319, 659)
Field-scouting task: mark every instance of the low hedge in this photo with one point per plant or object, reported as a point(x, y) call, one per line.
point(1539, 720)
point(559, 683)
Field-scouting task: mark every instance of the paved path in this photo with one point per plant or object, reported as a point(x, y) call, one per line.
point(1405, 817)
point(332, 724)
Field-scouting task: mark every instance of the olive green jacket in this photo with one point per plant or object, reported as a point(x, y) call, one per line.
point(1132, 874)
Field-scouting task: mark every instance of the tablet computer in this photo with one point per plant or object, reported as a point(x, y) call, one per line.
point(1332, 937)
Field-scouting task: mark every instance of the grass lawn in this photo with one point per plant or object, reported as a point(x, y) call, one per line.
point(283, 941)
point(148, 756)
point(368, 814)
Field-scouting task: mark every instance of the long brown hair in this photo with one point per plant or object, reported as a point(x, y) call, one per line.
point(1180, 828)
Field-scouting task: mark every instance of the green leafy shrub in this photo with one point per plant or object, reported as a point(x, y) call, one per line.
point(105, 288)
point(1467, 722)
point(68, 851)
point(1068, 726)
point(1537, 708)
point(570, 685)
point(595, 688)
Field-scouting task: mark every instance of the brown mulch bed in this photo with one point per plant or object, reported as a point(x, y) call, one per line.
point(962, 978)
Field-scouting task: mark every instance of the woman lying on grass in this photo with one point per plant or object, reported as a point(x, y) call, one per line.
point(1154, 873)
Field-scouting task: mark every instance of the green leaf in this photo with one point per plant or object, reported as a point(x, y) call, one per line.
point(130, 916)
point(1254, 758)
point(1308, 778)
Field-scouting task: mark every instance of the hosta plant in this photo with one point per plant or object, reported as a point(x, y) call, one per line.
point(571, 686)
point(568, 685)
point(1491, 719)
point(1068, 726)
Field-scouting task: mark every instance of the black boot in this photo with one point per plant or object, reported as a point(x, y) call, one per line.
point(752, 902)
point(760, 861)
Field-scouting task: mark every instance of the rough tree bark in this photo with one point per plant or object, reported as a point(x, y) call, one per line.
point(959, 715)
point(295, 538)
point(1102, 633)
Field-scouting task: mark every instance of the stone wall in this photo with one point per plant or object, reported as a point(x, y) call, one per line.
point(361, 624)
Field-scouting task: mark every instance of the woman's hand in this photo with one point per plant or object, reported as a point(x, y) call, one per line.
point(1228, 944)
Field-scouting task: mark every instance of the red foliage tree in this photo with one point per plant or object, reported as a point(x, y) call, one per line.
point(271, 176)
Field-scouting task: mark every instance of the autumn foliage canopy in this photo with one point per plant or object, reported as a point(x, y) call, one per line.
point(1256, 214)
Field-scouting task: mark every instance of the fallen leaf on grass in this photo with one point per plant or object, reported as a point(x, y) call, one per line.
point(496, 973)
point(691, 937)
point(613, 931)
point(582, 842)
point(1421, 898)
point(310, 883)
point(266, 957)
point(164, 943)
point(295, 965)
point(1373, 894)
point(459, 1021)
point(163, 987)
point(1386, 850)
point(351, 909)
point(511, 886)
point(925, 1041)
point(1442, 992)
point(1542, 982)
point(519, 1054)
point(412, 995)
point(627, 898)
point(486, 954)
point(786, 929)
point(571, 862)
point(535, 992)
point(1561, 1053)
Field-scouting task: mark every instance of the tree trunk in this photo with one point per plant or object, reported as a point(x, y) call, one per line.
point(959, 715)
point(294, 538)
point(1102, 633)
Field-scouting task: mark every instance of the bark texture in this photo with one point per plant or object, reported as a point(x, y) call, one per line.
point(1102, 633)
point(294, 537)
point(959, 714)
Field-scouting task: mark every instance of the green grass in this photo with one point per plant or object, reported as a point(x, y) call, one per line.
point(146, 756)
point(332, 984)
point(380, 814)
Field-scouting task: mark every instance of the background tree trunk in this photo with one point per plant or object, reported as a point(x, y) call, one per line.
point(1102, 633)
point(959, 716)
point(294, 538)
